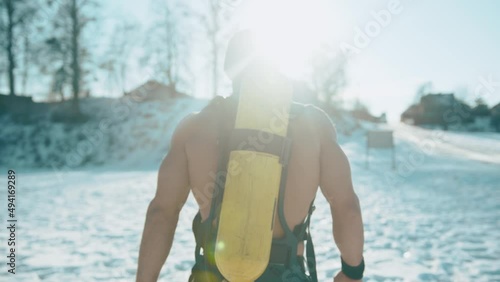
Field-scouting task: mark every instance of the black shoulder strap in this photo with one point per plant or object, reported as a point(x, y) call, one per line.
point(310, 254)
point(207, 230)
point(223, 128)
point(295, 111)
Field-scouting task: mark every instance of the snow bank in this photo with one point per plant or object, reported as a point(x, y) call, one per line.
point(119, 133)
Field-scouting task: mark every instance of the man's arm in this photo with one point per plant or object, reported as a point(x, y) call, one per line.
point(163, 211)
point(336, 185)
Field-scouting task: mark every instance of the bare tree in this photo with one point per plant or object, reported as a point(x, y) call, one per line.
point(17, 13)
point(9, 9)
point(213, 30)
point(214, 23)
point(26, 55)
point(116, 58)
point(3, 59)
point(423, 90)
point(3, 65)
point(71, 18)
point(29, 33)
point(168, 49)
point(75, 50)
point(54, 62)
point(328, 77)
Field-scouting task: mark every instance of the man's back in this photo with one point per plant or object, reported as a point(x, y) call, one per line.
point(303, 170)
point(191, 165)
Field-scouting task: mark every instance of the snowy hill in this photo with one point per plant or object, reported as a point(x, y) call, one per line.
point(118, 132)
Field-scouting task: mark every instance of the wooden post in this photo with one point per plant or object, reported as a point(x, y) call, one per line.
point(380, 139)
point(393, 157)
point(367, 155)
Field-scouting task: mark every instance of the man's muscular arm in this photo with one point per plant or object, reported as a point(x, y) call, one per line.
point(336, 185)
point(163, 211)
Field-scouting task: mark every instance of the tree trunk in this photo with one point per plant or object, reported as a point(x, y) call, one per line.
point(10, 43)
point(171, 45)
point(25, 73)
point(170, 62)
point(75, 65)
point(214, 11)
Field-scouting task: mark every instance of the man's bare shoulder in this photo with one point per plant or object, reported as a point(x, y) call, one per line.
point(197, 122)
point(317, 118)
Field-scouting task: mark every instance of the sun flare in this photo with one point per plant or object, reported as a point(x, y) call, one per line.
point(287, 32)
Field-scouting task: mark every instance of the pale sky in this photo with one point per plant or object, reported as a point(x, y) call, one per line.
point(453, 44)
point(449, 43)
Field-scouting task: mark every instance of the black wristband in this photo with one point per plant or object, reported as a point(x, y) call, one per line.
point(353, 272)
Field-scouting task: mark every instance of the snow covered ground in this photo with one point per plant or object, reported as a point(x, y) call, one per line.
point(434, 218)
point(123, 132)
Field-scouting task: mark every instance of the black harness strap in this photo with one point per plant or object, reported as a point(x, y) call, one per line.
point(245, 139)
point(295, 110)
point(283, 250)
point(206, 228)
point(310, 254)
point(291, 238)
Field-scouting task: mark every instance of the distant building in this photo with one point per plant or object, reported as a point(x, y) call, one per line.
point(18, 105)
point(411, 114)
point(495, 117)
point(434, 107)
point(154, 90)
point(482, 118)
point(438, 109)
point(432, 102)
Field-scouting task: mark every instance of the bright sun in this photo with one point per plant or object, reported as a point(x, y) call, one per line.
point(288, 32)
